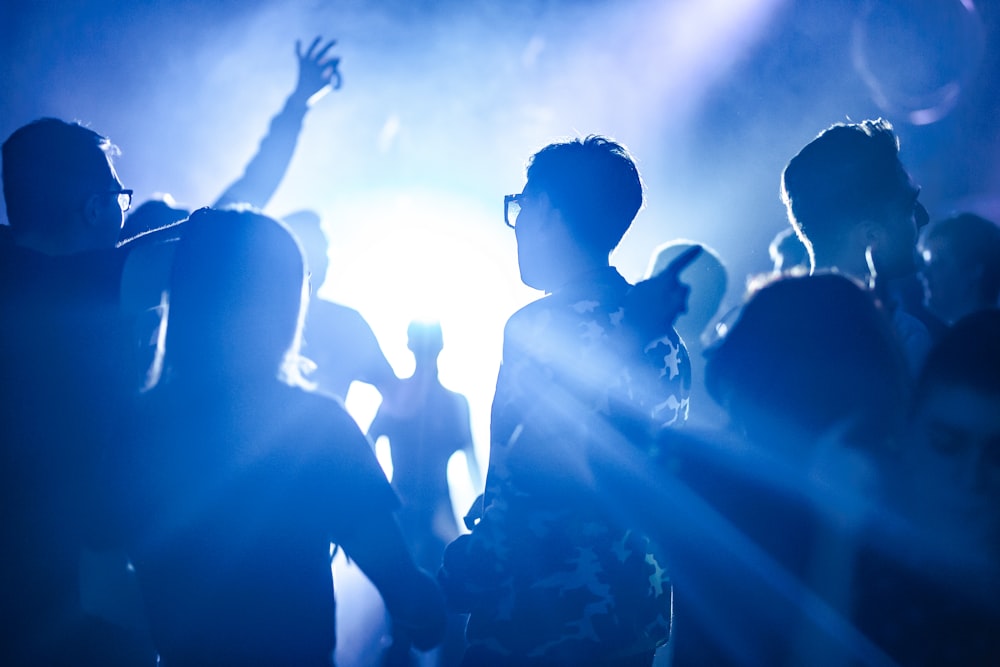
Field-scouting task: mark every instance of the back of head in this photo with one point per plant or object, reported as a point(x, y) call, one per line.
point(973, 243)
point(708, 280)
point(49, 169)
point(815, 352)
point(155, 213)
point(596, 186)
point(236, 295)
point(424, 339)
point(787, 251)
point(848, 173)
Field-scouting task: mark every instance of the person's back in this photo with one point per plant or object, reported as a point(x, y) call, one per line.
point(336, 338)
point(344, 348)
point(63, 384)
point(232, 544)
point(238, 480)
point(425, 424)
point(550, 574)
point(64, 377)
point(814, 384)
point(421, 444)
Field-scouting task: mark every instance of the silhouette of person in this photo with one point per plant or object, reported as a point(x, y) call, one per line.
point(548, 574)
point(426, 424)
point(708, 280)
point(815, 388)
point(317, 76)
point(147, 271)
point(237, 480)
point(64, 377)
point(855, 207)
point(814, 351)
point(932, 587)
point(337, 339)
point(961, 265)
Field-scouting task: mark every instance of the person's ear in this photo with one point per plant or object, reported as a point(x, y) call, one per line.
point(92, 210)
point(552, 218)
point(872, 233)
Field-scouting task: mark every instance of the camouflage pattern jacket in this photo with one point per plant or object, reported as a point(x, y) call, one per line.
point(552, 573)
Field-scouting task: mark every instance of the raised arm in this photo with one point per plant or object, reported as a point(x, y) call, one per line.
point(318, 75)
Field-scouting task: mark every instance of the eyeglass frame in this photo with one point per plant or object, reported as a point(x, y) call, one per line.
point(119, 194)
point(507, 201)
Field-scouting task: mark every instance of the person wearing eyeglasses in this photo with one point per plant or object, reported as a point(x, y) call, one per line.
point(64, 381)
point(553, 573)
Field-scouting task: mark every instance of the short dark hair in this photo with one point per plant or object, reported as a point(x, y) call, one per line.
point(816, 350)
point(236, 291)
point(50, 166)
point(594, 183)
point(848, 172)
point(975, 241)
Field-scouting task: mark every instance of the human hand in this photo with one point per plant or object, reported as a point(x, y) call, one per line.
point(318, 74)
point(653, 305)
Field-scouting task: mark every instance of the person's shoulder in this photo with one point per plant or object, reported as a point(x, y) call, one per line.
point(329, 314)
point(539, 308)
point(318, 408)
point(170, 232)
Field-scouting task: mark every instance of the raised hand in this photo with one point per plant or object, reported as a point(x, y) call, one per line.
point(318, 74)
point(653, 305)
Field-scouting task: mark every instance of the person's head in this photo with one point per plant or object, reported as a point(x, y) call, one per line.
point(708, 280)
point(579, 200)
point(236, 298)
point(954, 448)
point(308, 229)
point(62, 192)
point(424, 339)
point(787, 252)
point(812, 352)
point(961, 265)
point(847, 195)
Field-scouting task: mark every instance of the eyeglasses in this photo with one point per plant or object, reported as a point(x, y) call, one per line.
point(511, 207)
point(124, 198)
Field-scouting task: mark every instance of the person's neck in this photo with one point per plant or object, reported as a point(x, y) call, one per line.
point(853, 265)
point(425, 370)
point(580, 269)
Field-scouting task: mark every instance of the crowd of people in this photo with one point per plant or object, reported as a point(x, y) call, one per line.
point(810, 479)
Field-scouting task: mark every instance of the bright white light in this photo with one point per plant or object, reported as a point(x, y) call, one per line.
point(462, 493)
point(384, 456)
point(422, 254)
